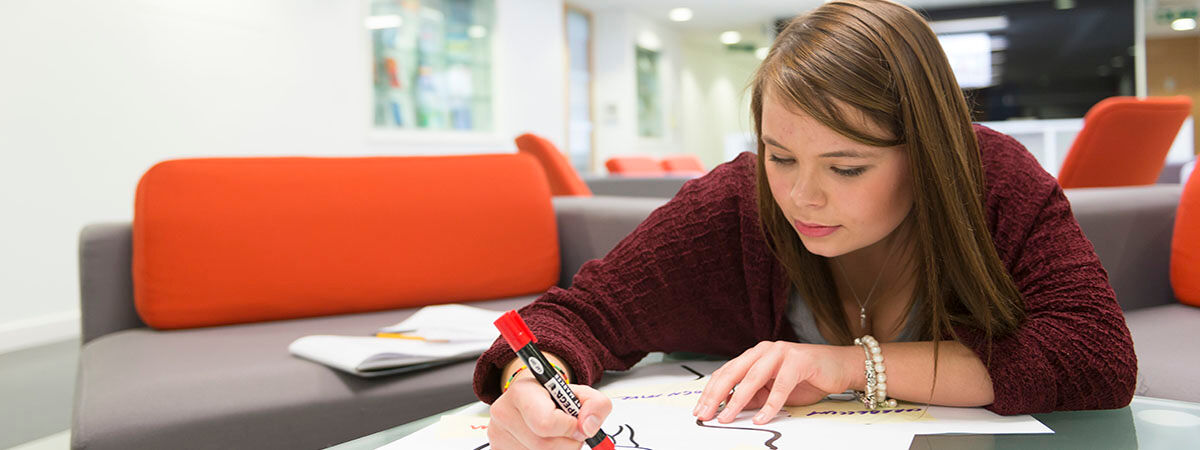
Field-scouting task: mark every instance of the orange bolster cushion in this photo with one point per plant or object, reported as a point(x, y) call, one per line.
point(233, 240)
point(1185, 245)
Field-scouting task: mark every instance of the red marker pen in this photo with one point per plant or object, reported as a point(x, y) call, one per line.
point(518, 336)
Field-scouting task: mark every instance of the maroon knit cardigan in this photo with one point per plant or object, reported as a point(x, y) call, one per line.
point(697, 276)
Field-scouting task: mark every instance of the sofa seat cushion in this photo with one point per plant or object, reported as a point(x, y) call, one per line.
point(238, 387)
point(1164, 338)
point(234, 240)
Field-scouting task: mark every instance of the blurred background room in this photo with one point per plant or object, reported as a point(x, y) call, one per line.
point(631, 97)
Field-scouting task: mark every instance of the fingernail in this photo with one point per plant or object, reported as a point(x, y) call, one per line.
point(578, 436)
point(760, 417)
point(591, 425)
point(707, 411)
point(696, 409)
point(725, 415)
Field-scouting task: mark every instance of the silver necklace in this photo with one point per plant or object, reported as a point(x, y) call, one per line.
point(862, 305)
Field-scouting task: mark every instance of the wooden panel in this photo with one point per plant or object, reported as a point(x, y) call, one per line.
point(1173, 68)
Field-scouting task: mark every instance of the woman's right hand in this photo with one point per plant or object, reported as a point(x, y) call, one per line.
point(524, 417)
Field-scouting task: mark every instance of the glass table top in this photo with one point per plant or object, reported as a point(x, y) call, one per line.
point(1147, 423)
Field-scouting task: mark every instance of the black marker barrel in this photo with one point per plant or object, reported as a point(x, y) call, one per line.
point(522, 341)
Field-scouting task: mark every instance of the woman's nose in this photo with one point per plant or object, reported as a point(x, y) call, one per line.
point(806, 191)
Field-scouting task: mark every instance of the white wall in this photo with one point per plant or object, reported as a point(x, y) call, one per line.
point(703, 88)
point(716, 101)
point(94, 93)
point(616, 32)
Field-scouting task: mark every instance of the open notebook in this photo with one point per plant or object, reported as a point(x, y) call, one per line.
point(447, 333)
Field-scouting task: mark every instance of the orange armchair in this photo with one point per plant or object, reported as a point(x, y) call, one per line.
point(1124, 142)
point(563, 179)
point(634, 166)
point(685, 164)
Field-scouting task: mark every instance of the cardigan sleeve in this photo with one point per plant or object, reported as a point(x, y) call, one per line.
point(1073, 350)
point(675, 284)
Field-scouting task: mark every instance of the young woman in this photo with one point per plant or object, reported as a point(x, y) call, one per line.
point(873, 208)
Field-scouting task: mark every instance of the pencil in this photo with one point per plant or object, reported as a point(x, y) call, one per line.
point(408, 336)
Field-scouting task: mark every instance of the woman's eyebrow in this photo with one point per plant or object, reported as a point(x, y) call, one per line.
point(845, 153)
point(773, 142)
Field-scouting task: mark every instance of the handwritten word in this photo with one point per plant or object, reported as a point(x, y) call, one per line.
point(873, 411)
point(645, 396)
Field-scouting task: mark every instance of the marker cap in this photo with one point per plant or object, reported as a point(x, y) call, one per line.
point(606, 444)
point(514, 330)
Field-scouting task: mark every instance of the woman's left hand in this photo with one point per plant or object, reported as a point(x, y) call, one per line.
point(774, 374)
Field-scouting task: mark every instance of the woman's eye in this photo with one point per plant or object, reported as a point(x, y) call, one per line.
point(852, 172)
point(778, 160)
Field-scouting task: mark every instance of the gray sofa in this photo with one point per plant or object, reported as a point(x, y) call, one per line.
point(635, 186)
point(236, 386)
point(1131, 228)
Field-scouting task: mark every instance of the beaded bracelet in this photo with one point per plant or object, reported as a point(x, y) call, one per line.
point(875, 396)
point(514, 376)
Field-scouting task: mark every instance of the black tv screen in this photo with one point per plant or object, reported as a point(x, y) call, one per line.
point(1047, 62)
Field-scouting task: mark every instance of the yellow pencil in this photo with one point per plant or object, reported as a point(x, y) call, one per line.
point(408, 336)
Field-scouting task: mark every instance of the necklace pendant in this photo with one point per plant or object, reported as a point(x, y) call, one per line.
point(862, 317)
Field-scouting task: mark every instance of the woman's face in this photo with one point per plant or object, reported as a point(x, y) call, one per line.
point(839, 195)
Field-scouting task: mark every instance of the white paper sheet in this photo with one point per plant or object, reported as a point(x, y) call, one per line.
point(652, 410)
point(451, 322)
point(453, 332)
point(371, 356)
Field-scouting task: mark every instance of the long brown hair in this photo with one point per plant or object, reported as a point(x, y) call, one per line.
point(881, 59)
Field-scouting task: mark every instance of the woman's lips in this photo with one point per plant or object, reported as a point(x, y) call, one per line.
point(814, 230)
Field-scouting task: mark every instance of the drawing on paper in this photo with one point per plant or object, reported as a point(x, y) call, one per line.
point(651, 404)
point(624, 437)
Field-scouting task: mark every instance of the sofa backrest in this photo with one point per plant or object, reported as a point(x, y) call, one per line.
point(662, 187)
point(230, 240)
point(588, 227)
point(1131, 227)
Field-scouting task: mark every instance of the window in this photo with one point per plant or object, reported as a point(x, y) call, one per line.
point(649, 107)
point(579, 90)
point(432, 64)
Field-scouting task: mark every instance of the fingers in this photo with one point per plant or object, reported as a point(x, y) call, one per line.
point(722, 381)
point(785, 381)
point(549, 424)
point(760, 397)
point(596, 407)
point(539, 412)
point(498, 437)
point(758, 376)
point(525, 417)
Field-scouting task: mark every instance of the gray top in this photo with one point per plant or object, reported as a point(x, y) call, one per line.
point(806, 325)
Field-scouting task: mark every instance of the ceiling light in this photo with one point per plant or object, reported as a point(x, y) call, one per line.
point(731, 37)
point(761, 53)
point(381, 22)
point(973, 24)
point(1184, 24)
point(680, 14)
point(649, 41)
